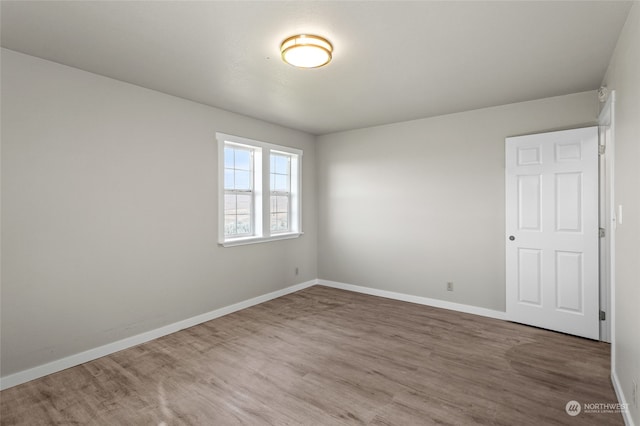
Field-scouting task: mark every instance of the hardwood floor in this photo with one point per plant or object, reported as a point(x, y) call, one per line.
point(323, 356)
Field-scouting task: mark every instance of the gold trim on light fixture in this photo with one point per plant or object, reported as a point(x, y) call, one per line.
point(306, 51)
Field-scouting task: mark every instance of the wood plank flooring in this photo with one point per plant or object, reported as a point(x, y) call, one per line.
point(323, 356)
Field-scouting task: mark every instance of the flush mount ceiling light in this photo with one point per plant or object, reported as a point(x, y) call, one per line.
point(306, 51)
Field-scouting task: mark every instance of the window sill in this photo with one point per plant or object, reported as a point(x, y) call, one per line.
point(256, 240)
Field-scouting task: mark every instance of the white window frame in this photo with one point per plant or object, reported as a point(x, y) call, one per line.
point(287, 194)
point(261, 224)
point(251, 191)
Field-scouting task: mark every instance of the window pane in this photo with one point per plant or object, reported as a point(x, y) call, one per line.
point(280, 174)
point(229, 204)
point(242, 179)
point(244, 224)
point(282, 204)
point(228, 157)
point(229, 225)
point(228, 179)
point(244, 204)
point(282, 222)
point(279, 222)
point(282, 164)
point(281, 183)
point(279, 204)
point(243, 159)
point(274, 222)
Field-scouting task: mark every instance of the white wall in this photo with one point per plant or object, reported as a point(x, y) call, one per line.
point(407, 207)
point(109, 207)
point(109, 212)
point(623, 76)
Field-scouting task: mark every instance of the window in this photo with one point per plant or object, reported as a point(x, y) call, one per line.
point(249, 169)
point(280, 185)
point(238, 190)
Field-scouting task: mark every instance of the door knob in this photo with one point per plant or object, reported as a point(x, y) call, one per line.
point(511, 237)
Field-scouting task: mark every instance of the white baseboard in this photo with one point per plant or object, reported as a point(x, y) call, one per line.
point(91, 354)
point(621, 399)
point(417, 299)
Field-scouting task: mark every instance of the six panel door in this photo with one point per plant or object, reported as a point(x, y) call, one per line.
point(552, 231)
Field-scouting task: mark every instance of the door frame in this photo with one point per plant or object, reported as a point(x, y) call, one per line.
point(606, 123)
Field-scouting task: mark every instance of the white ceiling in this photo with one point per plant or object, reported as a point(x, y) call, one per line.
point(393, 61)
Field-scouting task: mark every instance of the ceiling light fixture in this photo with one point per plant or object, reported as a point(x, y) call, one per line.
point(306, 51)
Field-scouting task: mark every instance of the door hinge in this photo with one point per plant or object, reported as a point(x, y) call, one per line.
point(603, 316)
point(602, 233)
point(601, 149)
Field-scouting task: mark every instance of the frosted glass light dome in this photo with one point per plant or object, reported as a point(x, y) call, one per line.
point(306, 51)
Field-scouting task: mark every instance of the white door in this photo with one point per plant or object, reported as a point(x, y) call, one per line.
point(552, 231)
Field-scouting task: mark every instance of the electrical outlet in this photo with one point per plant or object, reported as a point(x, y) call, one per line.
point(450, 286)
point(296, 271)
